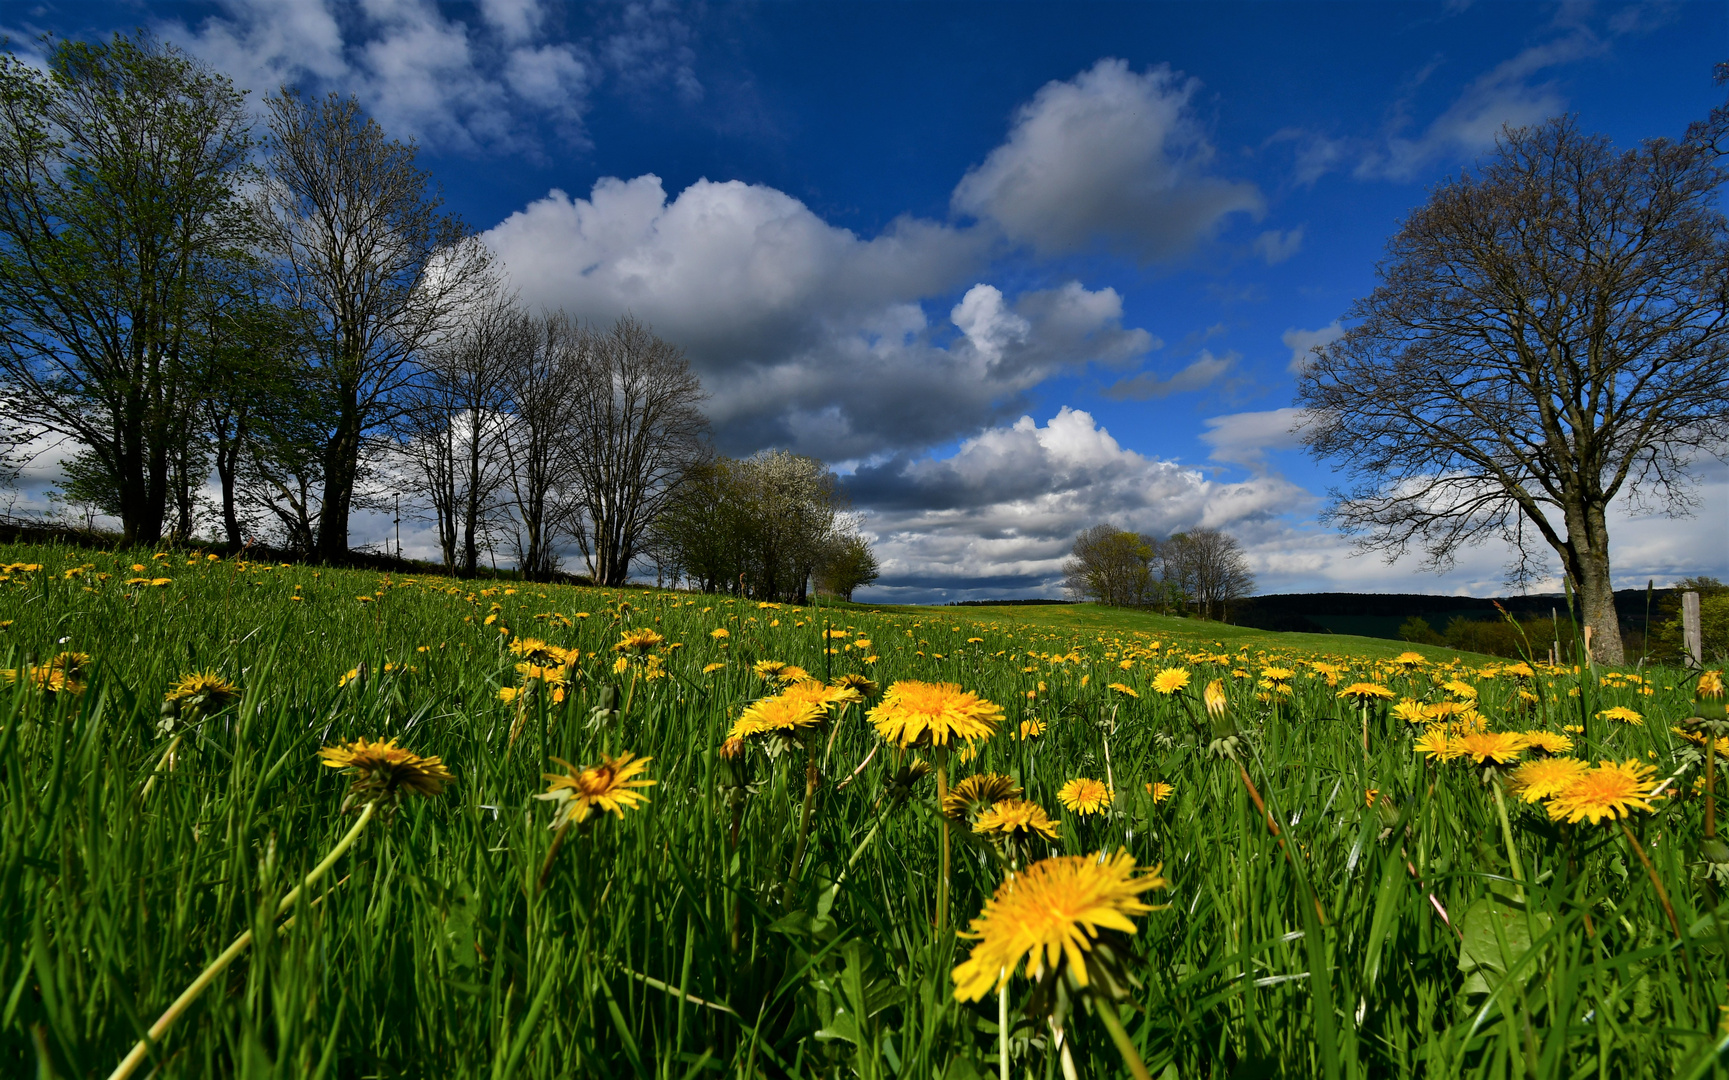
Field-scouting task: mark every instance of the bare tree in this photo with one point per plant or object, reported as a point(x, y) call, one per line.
point(1712, 133)
point(455, 424)
point(1208, 570)
point(361, 248)
point(120, 168)
point(545, 377)
point(1547, 332)
point(1109, 565)
point(639, 429)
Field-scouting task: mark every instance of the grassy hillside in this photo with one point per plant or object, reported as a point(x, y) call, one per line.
point(1331, 888)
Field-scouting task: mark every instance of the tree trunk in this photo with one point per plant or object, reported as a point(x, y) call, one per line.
point(1591, 578)
point(341, 463)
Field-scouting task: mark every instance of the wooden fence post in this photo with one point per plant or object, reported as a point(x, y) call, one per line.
point(1691, 635)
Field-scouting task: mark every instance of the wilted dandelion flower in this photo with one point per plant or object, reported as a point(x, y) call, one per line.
point(1623, 714)
point(610, 786)
point(977, 793)
point(1016, 819)
point(384, 769)
point(914, 713)
point(1711, 685)
point(1084, 796)
point(1052, 913)
point(1608, 790)
point(1170, 680)
point(1544, 778)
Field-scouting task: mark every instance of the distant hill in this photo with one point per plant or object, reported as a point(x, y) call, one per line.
point(1379, 615)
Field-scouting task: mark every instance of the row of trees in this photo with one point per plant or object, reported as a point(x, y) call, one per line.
point(290, 311)
point(766, 527)
point(1200, 571)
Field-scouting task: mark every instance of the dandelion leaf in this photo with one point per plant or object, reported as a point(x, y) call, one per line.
point(1497, 934)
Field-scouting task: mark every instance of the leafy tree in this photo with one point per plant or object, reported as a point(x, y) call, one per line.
point(1110, 566)
point(847, 564)
point(1548, 332)
point(1416, 629)
point(121, 168)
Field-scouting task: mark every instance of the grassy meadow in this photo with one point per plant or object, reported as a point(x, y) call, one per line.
point(773, 910)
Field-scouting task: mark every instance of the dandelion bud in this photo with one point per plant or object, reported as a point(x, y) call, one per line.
point(1215, 699)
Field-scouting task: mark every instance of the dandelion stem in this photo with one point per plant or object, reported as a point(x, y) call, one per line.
point(942, 756)
point(1273, 827)
point(551, 854)
point(1003, 1030)
point(1507, 835)
point(168, 755)
point(131, 1061)
point(1651, 871)
point(1119, 1035)
point(1710, 785)
point(810, 779)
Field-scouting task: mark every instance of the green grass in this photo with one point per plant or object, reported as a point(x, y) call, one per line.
point(664, 947)
point(1127, 620)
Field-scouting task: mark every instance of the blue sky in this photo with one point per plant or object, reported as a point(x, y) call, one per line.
point(1013, 268)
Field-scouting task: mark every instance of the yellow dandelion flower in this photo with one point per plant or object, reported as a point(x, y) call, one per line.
point(1214, 698)
point(1084, 796)
point(860, 684)
point(1711, 685)
point(1052, 913)
point(1544, 778)
point(1437, 744)
point(1160, 791)
point(1410, 711)
point(1491, 747)
point(383, 768)
point(781, 714)
point(1277, 675)
point(914, 713)
point(709, 669)
point(639, 642)
point(1623, 714)
point(767, 669)
point(1123, 688)
point(611, 786)
point(1030, 729)
point(1364, 693)
point(203, 689)
point(720, 633)
point(1409, 660)
point(791, 673)
point(1170, 680)
point(1608, 790)
point(821, 695)
point(1548, 742)
point(621, 665)
point(978, 793)
point(1460, 689)
point(1016, 819)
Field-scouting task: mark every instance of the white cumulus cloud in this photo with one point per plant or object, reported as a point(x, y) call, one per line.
point(1110, 157)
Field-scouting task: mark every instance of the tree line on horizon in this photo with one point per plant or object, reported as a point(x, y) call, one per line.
point(286, 313)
